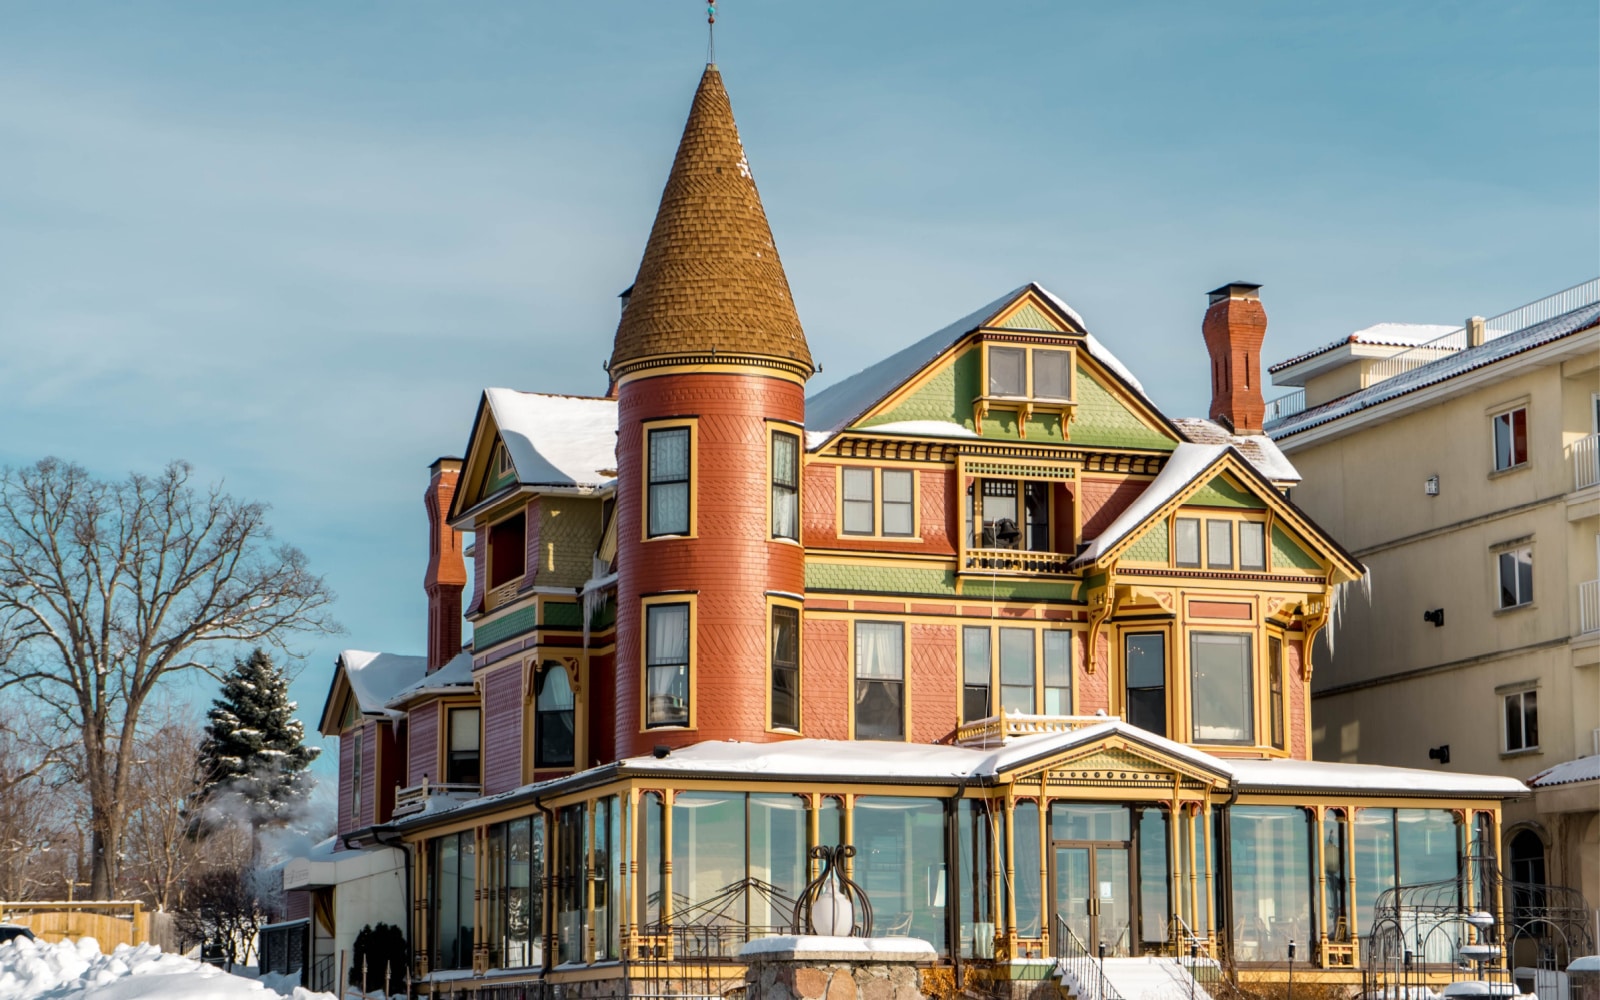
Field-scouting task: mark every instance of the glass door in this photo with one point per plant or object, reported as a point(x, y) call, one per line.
point(1092, 895)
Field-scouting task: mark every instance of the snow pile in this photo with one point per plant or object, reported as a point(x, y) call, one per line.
point(34, 970)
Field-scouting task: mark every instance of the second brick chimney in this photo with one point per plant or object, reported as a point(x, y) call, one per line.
point(1234, 327)
point(447, 572)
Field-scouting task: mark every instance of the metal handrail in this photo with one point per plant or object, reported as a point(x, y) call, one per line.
point(1285, 407)
point(1086, 969)
point(1586, 462)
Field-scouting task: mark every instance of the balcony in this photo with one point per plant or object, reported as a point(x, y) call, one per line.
point(997, 729)
point(1016, 561)
point(431, 795)
point(1586, 462)
point(1589, 607)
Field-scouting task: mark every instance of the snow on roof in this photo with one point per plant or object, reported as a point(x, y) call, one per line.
point(1188, 461)
point(1448, 367)
point(1262, 451)
point(832, 409)
point(1319, 775)
point(375, 677)
point(448, 679)
point(1381, 334)
point(924, 428)
point(557, 440)
point(1582, 769)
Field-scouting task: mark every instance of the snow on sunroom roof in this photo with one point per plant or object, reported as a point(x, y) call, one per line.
point(557, 440)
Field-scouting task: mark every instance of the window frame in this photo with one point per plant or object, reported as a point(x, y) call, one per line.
point(357, 769)
point(992, 687)
point(1203, 518)
point(1510, 416)
point(1238, 544)
point(856, 679)
point(541, 677)
point(1029, 388)
point(878, 502)
point(1522, 696)
point(775, 485)
point(647, 431)
point(1165, 635)
point(846, 473)
point(883, 503)
point(1210, 558)
point(973, 528)
point(1277, 694)
point(1199, 543)
point(775, 605)
point(495, 548)
point(1514, 553)
point(688, 600)
point(447, 745)
point(1251, 667)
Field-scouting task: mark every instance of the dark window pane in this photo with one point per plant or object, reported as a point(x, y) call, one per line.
point(1530, 718)
point(880, 681)
point(785, 667)
point(554, 720)
point(1514, 722)
point(1000, 527)
point(1036, 499)
point(507, 550)
point(975, 667)
point(1145, 666)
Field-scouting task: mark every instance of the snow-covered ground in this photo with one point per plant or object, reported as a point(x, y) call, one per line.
point(33, 970)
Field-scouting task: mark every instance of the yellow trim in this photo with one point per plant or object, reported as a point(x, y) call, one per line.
point(645, 427)
point(442, 757)
point(774, 601)
point(905, 672)
point(645, 603)
point(780, 368)
point(1029, 401)
point(1038, 628)
point(774, 428)
point(877, 471)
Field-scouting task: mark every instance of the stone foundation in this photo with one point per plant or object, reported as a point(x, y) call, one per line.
point(835, 968)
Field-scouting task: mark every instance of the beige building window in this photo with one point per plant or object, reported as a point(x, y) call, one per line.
point(1522, 721)
point(1516, 577)
point(1511, 438)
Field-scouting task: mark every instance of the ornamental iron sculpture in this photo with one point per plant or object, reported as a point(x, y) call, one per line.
point(832, 904)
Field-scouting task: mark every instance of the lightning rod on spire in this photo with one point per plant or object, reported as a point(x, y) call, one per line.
point(711, 32)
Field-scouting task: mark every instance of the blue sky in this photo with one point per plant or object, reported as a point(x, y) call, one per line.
point(292, 242)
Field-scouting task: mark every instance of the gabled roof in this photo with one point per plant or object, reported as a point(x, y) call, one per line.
point(1434, 372)
point(552, 441)
point(841, 404)
point(448, 679)
point(1191, 467)
point(710, 278)
point(1261, 450)
point(371, 679)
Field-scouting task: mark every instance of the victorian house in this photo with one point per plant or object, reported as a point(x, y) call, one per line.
point(1035, 649)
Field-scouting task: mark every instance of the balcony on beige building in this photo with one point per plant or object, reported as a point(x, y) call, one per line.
point(1589, 607)
point(1585, 462)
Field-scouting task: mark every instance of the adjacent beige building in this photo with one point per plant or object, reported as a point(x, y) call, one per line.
point(1460, 465)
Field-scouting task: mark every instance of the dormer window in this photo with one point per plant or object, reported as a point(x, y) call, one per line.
point(462, 752)
point(1030, 373)
point(508, 549)
point(1007, 371)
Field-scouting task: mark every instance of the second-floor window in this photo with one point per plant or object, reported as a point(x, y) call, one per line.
point(1144, 659)
point(1275, 680)
point(785, 667)
point(666, 658)
point(553, 719)
point(1515, 568)
point(668, 494)
point(1511, 438)
point(785, 486)
point(1522, 721)
point(1024, 688)
point(879, 502)
point(1219, 550)
point(1011, 514)
point(1220, 668)
point(462, 748)
point(880, 695)
point(858, 501)
point(508, 549)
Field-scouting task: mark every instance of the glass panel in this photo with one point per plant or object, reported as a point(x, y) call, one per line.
point(1508, 580)
point(1502, 441)
point(494, 894)
point(1025, 847)
point(605, 879)
point(830, 823)
point(1275, 679)
point(554, 719)
point(519, 885)
point(1220, 665)
point(1000, 528)
point(1513, 704)
point(1145, 664)
point(1016, 671)
point(1336, 876)
point(777, 856)
point(1052, 374)
point(900, 863)
point(1530, 718)
point(1271, 861)
point(785, 486)
point(1428, 845)
point(708, 845)
point(975, 667)
point(447, 927)
point(1374, 858)
point(464, 729)
point(1519, 436)
point(1252, 545)
point(858, 501)
point(785, 667)
point(1089, 821)
point(1154, 905)
point(977, 860)
point(1219, 544)
point(1115, 919)
point(1073, 891)
point(669, 481)
point(897, 510)
point(1524, 576)
point(572, 873)
point(1005, 371)
point(650, 831)
point(880, 690)
point(1187, 535)
point(1036, 498)
point(667, 664)
point(1058, 673)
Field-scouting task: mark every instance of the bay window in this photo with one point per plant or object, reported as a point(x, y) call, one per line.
point(1220, 665)
point(1021, 669)
point(1144, 661)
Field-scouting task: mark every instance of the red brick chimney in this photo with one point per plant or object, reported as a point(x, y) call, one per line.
point(447, 572)
point(1234, 327)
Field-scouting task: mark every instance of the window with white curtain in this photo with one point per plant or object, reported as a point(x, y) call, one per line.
point(668, 495)
point(1219, 544)
point(666, 658)
point(553, 719)
point(1186, 531)
point(880, 695)
point(786, 486)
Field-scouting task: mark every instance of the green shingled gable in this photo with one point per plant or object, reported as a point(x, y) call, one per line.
point(1029, 317)
point(1286, 553)
point(1152, 546)
point(1221, 493)
point(947, 395)
point(1103, 419)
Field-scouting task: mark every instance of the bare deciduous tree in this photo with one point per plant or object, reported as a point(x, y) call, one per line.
point(158, 851)
point(27, 809)
point(109, 587)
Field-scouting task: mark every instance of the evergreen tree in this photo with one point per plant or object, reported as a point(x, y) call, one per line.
point(253, 744)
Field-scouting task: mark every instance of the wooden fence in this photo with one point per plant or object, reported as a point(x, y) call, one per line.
point(110, 923)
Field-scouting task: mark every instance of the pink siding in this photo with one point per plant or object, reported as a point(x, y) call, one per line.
point(825, 679)
point(1294, 691)
point(530, 539)
point(1104, 499)
point(297, 904)
point(502, 729)
point(422, 739)
point(1093, 689)
point(934, 713)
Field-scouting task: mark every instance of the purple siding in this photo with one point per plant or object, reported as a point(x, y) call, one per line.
point(502, 730)
point(422, 751)
point(297, 904)
point(347, 771)
point(369, 775)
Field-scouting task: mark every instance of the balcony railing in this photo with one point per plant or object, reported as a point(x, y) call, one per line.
point(1285, 406)
point(1016, 561)
point(996, 729)
point(416, 798)
point(1586, 462)
point(1588, 607)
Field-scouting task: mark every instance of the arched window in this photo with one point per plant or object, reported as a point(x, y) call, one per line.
point(553, 726)
point(1527, 872)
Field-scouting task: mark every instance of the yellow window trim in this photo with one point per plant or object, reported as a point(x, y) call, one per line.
point(692, 600)
point(777, 601)
point(1038, 628)
point(1207, 514)
point(774, 428)
point(905, 672)
point(877, 503)
point(693, 423)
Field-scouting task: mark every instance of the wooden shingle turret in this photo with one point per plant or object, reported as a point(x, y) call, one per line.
point(710, 285)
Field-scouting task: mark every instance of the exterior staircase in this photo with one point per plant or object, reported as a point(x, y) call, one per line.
point(1136, 978)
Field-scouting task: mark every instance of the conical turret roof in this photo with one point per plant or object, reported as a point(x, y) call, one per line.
point(710, 279)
